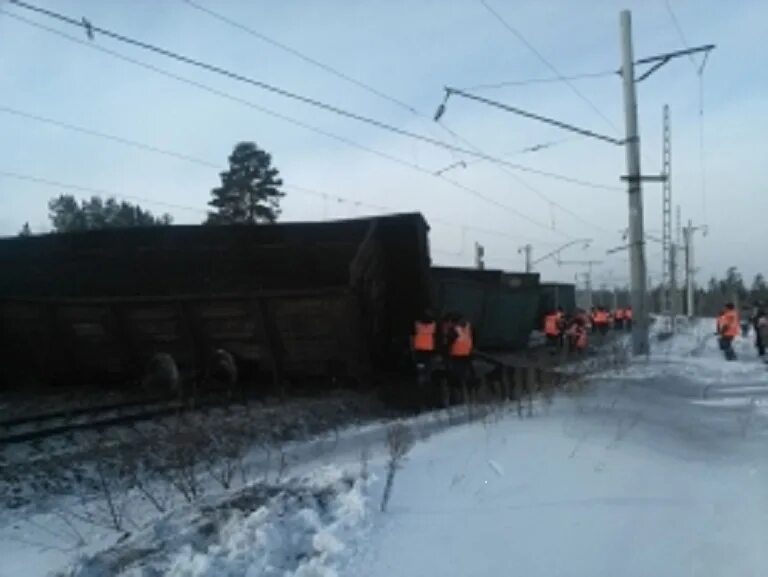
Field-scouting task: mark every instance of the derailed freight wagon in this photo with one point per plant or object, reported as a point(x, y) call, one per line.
point(289, 301)
point(501, 306)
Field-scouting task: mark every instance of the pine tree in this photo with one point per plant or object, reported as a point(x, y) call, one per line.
point(25, 230)
point(249, 191)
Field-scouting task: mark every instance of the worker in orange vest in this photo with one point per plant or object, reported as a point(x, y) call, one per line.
point(592, 325)
point(618, 319)
point(552, 330)
point(424, 346)
point(602, 320)
point(628, 318)
point(728, 326)
point(577, 336)
point(461, 347)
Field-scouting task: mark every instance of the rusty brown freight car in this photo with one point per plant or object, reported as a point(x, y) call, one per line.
point(293, 301)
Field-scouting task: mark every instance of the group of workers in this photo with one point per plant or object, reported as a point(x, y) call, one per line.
point(447, 342)
point(730, 325)
point(442, 348)
point(571, 332)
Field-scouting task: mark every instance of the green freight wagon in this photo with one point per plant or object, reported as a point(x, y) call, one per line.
point(555, 295)
point(501, 306)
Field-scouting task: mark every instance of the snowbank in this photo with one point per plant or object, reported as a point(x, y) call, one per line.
point(298, 528)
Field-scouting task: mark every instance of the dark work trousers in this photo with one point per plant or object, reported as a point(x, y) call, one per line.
point(553, 342)
point(461, 375)
point(628, 324)
point(726, 344)
point(618, 324)
point(423, 361)
point(759, 341)
point(603, 328)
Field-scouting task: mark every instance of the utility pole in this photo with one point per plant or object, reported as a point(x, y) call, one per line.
point(638, 291)
point(587, 300)
point(527, 250)
point(666, 209)
point(479, 256)
point(690, 269)
point(673, 297)
point(678, 245)
point(688, 236)
point(587, 275)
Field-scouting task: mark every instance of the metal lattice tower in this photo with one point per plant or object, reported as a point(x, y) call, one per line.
point(666, 237)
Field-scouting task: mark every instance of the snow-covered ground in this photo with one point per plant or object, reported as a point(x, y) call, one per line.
point(659, 469)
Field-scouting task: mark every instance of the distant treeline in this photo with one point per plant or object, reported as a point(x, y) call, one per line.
point(708, 299)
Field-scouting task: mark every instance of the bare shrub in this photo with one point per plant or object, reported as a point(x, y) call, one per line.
point(176, 456)
point(365, 457)
point(226, 452)
point(399, 442)
point(102, 490)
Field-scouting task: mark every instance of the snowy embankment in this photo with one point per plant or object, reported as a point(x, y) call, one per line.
point(658, 469)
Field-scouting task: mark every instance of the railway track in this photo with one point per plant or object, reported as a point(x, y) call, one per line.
point(96, 418)
point(57, 423)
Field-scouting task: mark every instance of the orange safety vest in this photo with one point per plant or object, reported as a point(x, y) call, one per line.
point(601, 318)
point(462, 346)
point(730, 324)
point(619, 315)
point(628, 314)
point(552, 325)
point(424, 336)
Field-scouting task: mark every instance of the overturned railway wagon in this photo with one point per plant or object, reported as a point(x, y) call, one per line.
point(290, 301)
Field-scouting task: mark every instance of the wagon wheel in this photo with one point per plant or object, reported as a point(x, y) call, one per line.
point(162, 376)
point(222, 374)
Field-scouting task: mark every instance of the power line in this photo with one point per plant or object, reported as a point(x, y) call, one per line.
point(308, 59)
point(298, 54)
point(547, 80)
point(304, 99)
point(449, 91)
point(699, 68)
point(92, 190)
point(283, 117)
point(214, 91)
point(540, 194)
point(676, 24)
point(301, 189)
point(174, 154)
point(548, 64)
point(106, 136)
point(384, 208)
point(315, 62)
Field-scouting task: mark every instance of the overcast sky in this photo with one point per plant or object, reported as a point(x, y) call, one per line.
point(407, 50)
